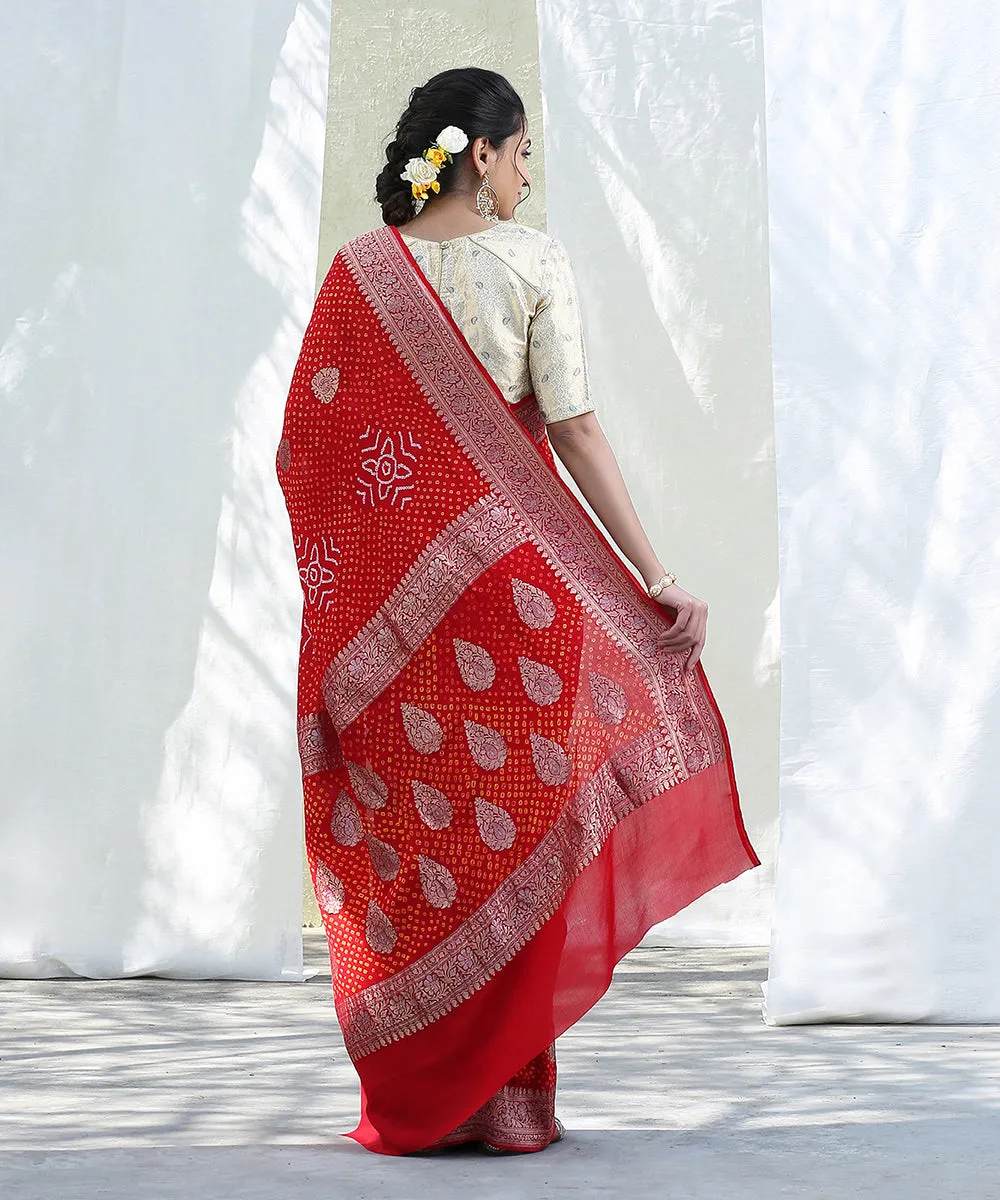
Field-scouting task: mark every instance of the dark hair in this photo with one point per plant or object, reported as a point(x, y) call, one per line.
point(480, 102)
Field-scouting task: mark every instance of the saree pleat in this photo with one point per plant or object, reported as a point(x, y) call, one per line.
point(506, 781)
point(519, 1116)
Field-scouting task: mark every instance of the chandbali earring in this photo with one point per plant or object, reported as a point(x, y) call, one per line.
point(487, 201)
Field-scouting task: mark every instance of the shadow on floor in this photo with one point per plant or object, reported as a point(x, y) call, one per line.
point(671, 1086)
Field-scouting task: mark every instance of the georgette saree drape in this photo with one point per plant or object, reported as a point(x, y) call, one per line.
point(507, 782)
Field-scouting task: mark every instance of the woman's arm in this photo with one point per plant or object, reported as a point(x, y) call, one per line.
point(586, 453)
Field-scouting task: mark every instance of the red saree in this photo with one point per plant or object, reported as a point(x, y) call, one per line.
point(507, 782)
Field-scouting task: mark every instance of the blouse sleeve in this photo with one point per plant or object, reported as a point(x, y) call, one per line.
point(557, 358)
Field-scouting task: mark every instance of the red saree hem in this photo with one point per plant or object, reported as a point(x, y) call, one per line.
point(519, 1116)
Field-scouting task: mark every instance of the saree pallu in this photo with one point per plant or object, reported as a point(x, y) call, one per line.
point(507, 782)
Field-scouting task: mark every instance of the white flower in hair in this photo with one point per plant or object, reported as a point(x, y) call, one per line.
point(452, 139)
point(420, 172)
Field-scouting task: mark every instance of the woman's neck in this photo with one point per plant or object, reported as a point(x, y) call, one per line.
point(446, 217)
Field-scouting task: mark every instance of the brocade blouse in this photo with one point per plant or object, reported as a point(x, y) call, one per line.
point(511, 291)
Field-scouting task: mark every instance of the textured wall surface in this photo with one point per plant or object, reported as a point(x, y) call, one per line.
point(884, 169)
point(656, 183)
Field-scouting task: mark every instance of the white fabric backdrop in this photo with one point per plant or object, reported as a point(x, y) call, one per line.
point(884, 170)
point(161, 188)
point(655, 182)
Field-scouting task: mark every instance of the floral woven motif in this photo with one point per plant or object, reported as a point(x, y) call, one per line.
point(432, 804)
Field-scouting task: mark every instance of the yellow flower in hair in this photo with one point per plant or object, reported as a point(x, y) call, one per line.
point(421, 173)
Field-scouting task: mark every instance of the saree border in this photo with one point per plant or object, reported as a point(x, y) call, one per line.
point(474, 541)
point(515, 1116)
point(319, 749)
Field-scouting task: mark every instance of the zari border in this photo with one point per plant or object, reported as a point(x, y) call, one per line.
point(475, 412)
point(470, 545)
point(521, 1117)
point(318, 746)
point(455, 968)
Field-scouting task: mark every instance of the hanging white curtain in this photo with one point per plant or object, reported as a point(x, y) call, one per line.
point(161, 187)
point(883, 171)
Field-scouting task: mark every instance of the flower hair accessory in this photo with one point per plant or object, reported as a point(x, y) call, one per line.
point(421, 173)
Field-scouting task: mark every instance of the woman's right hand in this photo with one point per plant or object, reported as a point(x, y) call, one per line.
point(689, 629)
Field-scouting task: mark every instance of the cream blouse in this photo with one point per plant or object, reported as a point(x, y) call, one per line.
point(512, 292)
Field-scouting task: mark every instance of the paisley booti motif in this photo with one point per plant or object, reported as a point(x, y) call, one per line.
point(541, 683)
point(534, 607)
point(325, 383)
point(486, 745)
point(608, 698)
point(496, 825)
point(423, 730)
point(384, 858)
point(379, 931)
point(477, 668)
point(551, 760)
point(329, 889)
point(369, 787)
point(436, 882)
point(433, 805)
point(345, 823)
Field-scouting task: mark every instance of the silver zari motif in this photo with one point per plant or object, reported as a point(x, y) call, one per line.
point(487, 746)
point(475, 665)
point(329, 889)
point(496, 825)
point(325, 383)
point(380, 932)
point(541, 682)
point(432, 804)
point(436, 882)
point(423, 730)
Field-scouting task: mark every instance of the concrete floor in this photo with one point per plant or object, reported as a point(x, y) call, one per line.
point(671, 1087)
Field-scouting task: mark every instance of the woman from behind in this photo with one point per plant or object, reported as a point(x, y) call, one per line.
point(513, 765)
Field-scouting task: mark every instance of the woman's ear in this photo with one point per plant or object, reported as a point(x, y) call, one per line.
point(480, 151)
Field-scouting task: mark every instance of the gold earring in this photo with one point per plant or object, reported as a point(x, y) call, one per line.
point(487, 201)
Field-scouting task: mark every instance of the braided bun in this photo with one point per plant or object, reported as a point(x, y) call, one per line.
point(392, 192)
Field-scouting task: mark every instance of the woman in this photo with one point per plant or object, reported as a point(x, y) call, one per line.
point(513, 765)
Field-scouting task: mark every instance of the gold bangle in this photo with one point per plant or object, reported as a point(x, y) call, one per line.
point(661, 583)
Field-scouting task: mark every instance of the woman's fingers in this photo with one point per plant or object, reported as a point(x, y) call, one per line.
point(676, 632)
point(695, 645)
point(693, 657)
point(677, 643)
point(679, 639)
point(676, 636)
point(689, 636)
